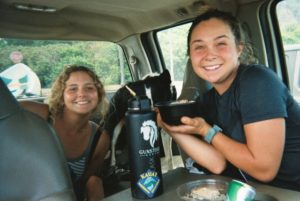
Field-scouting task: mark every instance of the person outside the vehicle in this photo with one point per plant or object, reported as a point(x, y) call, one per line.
point(76, 94)
point(249, 124)
point(21, 79)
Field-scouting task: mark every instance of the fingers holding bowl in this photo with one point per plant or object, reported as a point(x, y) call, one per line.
point(172, 111)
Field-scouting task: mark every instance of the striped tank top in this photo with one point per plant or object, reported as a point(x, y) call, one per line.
point(78, 165)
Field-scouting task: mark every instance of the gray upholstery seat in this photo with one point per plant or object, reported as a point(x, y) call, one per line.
point(33, 166)
point(192, 87)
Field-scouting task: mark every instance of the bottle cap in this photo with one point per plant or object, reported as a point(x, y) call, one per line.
point(139, 103)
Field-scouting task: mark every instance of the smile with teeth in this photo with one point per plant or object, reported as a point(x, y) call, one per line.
point(212, 68)
point(82, 102)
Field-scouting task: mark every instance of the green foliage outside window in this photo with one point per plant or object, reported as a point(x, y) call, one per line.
point(48, 58)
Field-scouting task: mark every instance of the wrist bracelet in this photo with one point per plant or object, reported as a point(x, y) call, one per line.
point(211, 133)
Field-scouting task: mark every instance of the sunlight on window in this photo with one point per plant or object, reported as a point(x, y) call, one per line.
point(289, 20)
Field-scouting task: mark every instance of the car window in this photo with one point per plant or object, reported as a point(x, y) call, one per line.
point(289, 20)
point(23, 62)
point(173, 44)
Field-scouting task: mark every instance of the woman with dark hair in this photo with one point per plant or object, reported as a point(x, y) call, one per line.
point(249, 124)
point(76, 95)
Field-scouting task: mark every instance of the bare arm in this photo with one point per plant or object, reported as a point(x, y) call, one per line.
point(196, 148)
point(38, 108)
point(260, 157)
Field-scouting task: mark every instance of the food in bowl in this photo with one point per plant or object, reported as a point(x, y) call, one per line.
point(172, 111)
point(204, 190)
point(207, 193)
point(180, 101)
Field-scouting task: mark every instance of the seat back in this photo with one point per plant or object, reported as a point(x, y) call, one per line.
point(192, 87)
point(33, 166)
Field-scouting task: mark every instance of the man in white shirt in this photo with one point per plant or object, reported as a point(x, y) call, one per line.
point(20, 79)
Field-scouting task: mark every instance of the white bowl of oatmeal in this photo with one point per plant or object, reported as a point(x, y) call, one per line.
point(204, 190)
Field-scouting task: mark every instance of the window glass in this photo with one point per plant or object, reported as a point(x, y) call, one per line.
point(47, 59)
point(289, 21)
point(173, 44)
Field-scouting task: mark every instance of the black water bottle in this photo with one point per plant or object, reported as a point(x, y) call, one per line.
point(144, 151)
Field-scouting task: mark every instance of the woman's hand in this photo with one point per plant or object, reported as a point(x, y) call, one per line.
point(195, 125)
point(192, 126)
point(196, 148)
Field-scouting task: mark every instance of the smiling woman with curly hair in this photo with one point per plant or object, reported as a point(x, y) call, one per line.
point(56, 103)
point(76, 95)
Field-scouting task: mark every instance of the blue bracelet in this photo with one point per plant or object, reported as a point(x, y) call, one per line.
point(211, 133)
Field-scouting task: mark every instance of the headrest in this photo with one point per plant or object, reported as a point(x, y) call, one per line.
point(8, 103)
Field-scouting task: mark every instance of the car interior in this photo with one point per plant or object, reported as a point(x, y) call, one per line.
point(137, 28)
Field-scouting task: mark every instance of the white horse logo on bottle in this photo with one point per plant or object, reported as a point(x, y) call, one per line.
point(149, 132)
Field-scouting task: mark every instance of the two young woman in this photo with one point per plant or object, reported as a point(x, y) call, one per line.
point(249, 124)
point(76, 94)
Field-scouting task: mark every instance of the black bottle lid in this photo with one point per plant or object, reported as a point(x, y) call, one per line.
point(139, 103)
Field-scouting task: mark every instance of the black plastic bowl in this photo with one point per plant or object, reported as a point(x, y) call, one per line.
point(172, 111)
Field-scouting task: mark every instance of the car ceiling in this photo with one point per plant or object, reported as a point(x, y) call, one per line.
point(108, 20)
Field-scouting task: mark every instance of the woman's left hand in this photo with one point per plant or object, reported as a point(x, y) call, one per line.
point(192, 146)
point(189, 125)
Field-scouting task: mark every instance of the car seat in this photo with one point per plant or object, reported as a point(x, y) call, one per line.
point(192, 87)
point(33, 166)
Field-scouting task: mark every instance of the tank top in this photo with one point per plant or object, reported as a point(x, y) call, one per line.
point(77, 166)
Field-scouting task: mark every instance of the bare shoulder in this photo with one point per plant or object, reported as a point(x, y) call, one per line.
point(38, 108)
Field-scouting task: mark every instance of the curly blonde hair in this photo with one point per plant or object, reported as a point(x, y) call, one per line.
point(56, 99)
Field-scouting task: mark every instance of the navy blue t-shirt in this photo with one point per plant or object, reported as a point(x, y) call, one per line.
point(257, 94)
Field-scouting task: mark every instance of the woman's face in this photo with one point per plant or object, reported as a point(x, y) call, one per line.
point(80, 94)
point(214, 53)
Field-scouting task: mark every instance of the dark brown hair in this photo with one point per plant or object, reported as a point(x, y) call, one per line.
point(247, 55)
